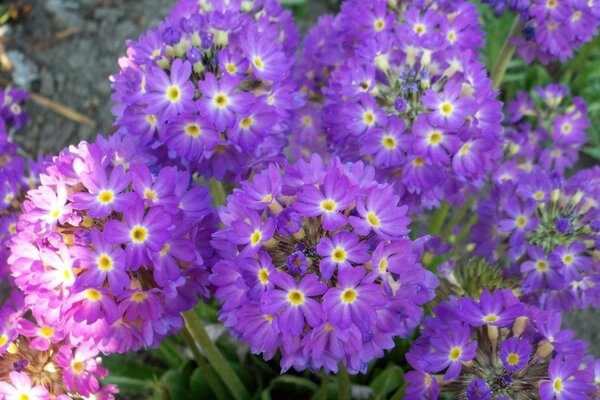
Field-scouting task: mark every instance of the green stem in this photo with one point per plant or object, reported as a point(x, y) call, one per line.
point(506, 53)
point(438, 219)
point(218, 192)
point(214, 356)
point(344, 384)
point(213, 380)
point(324, 389)
point(457, 217)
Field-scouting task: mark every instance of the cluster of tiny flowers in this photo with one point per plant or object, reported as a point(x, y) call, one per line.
point(497, 348)
point(551, 29)
point(316, 263)
point(39, 363)
point(411, 98)
point(109, 253)
point(547, 129)
point(546, 228)
point(16, 174)
point(208, 90)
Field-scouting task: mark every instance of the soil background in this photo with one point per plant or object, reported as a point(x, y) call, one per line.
point(65, 50)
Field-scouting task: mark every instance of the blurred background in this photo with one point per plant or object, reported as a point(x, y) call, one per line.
point(63, 52)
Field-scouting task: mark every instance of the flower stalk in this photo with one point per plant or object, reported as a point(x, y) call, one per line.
point(506, 53)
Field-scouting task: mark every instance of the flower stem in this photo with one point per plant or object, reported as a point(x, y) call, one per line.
point(213, 380)
point(438, 219)
point(218, 192)
point(506, 53)
point(344, 384)
point(215, 358)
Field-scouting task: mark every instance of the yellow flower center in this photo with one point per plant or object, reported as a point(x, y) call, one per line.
point(464, 149)
point(106, 197)
point(383, 264)
point(246, 122)
point(55, 214)
point(521, 221)
point(12, 228)
point(538, 195)
point(420, 29)
point(77, 367)
point(328, 327)
point(389, 142)
point(568, 259)
point(435, 137)
point(258, 63)
point(307, 121)
point(268, 198)
point(576, 16)
point(418, 162)
point(165, 249)
point(139, 297)
point(268, 317)
point(566, 127)
point(255, 237)
point(491, 318)
point(369, 118)
point(193, 130)
point(379, 24)
point(150, 194)
point(231, 68)
point(541, 266)
point(155, 54)
point(451, 36)
point(24, 397)
point(263, 276)
point(295, 297)
point(349, 296)
point(455, 353)
point(3, 340)
point(138, 234)
point(173, 93)
point(105, 262)
point(151, 119)
point(93, 294)
point(221, 100)
point(558, 386)
point(427, 380)
point(512, 359)
point(338, 255)
point(551, 4)
point(328, 205)
point(46, 332)
point(373, 219)
point(446, 108)
point(8, 198)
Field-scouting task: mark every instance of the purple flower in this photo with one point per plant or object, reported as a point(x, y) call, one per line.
point(339, 252)
point(449, 109)
point(479, 390)
point(566, 381)
point(170, 95)
point(381, 214)
point(515, 353)
point(292, 302)
point(492, 309)
point(22, 388)
point(142, 232)
point(451, 351)
point(353, 301)
point(267, 61)
point(329, 202)
point(219, 102)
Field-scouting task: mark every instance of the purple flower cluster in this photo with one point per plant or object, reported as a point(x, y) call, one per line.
point(497, 348)
point(409, 96)
point(316, 262)
point(547, 129)
point(551, 29)
point(208, 90)
point(109, 253)
point(38, 362)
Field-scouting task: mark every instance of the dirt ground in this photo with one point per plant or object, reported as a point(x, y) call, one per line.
point(65, 50)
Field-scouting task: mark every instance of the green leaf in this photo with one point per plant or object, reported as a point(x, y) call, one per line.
point(387, 381)
point(302, 386)
point(199, 387)
point(292, 3)
point(130, 375)
point(177, 383)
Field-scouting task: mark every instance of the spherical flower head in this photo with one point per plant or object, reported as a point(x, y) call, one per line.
point(546, 224)
point(209, 90)
point(315, 256)
point(547, 128)
point(411, 98)
point(519, 359)
point(114, 251)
